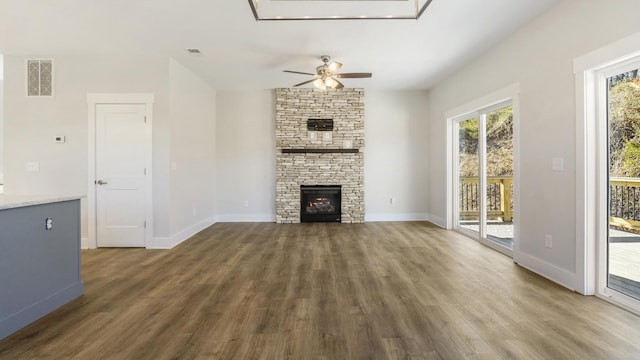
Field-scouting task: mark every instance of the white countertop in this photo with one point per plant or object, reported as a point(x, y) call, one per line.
point(15, 201)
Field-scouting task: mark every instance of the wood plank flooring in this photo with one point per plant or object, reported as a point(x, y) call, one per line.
point(323, 291)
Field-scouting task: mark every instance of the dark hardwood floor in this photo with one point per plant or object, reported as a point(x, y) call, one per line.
point(323, 291)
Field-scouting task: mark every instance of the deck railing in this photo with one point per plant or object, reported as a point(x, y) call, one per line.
point(499, 198)
point(624, 205)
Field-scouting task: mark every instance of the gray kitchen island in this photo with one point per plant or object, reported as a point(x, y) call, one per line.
point(39, 257)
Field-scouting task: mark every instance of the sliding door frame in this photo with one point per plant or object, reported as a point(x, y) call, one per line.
point(602, 183)
point(585, 69)
point(494, 101)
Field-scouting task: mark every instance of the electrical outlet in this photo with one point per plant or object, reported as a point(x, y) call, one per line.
point(548, 241)
point(392, 200)
point(194, 211)
point(246, 203)
point(557, 164)
point(48, 224)
point(33, 166)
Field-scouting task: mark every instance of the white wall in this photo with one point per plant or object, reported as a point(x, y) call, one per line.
point(1, 120)
point(1, 117)
point(245, 156)
point(396, 162)
point(193, 112)
point(32, 123)
point(183, 131)
point(1, 125)
point(540, 58)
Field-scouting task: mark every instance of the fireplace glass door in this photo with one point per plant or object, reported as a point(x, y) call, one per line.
point(320, 203)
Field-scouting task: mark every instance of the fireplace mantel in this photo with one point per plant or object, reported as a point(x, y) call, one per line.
point(320, 151)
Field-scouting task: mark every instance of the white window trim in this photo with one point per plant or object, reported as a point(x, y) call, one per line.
point(586, 69)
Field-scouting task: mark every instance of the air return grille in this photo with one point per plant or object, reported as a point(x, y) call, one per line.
point(39, 77)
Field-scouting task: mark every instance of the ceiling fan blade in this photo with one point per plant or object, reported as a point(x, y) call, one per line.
point(305, 82)
point(339, 86)
point(353, 75)
point(298, 72)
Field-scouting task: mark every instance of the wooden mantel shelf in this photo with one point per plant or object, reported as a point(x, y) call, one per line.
point(319, 151)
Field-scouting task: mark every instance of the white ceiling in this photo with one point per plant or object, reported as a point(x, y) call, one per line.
point(241, 53)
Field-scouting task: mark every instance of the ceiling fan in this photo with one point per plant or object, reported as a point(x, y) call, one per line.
point(326, 75)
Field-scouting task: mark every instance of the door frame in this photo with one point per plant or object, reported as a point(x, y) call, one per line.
point(93, 100)
point(585, 70)
point(602, 183)
point(497, 98)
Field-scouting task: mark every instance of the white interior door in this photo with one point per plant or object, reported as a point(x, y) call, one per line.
point(120, 175)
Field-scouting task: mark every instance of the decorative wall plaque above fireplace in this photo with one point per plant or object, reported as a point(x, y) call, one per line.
point(320, 124)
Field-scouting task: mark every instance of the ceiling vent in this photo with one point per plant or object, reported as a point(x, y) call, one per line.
point(39, 77)
point(195, 52)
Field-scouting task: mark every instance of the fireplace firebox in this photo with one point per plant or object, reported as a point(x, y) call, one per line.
point(320, 203)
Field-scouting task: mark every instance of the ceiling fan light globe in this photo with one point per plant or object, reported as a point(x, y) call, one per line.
point(320, 84)
point(330, 82)
point(333, 67)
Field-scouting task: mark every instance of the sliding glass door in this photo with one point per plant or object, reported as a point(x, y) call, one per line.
point(620, 243)
point(484, 175)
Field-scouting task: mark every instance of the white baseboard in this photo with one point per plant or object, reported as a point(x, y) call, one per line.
point(246, 218)
point(436, 220)
point(175, 239)
point(161, 243)
point(394, 217)
point(546, 270)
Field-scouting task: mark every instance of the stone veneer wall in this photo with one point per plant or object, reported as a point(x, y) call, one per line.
point(293, 108)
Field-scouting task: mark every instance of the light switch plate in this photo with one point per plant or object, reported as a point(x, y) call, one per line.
point(348, 144)
point(557, 164)
point(312, 135)
point(33, 166)
point(326, 136)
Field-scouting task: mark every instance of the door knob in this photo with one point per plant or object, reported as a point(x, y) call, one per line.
point(100, 182)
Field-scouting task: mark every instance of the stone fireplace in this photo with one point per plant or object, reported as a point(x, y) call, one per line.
point(312, 155)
